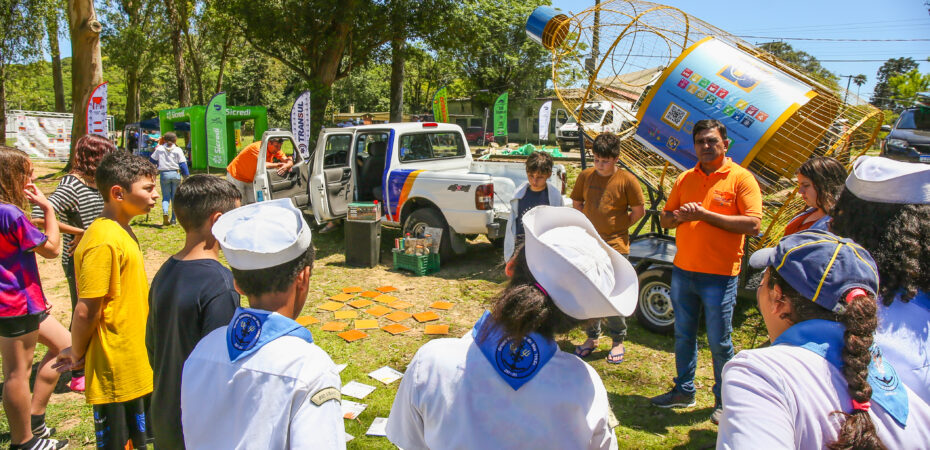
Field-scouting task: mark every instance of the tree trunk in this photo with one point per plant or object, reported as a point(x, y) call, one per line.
point(58, 85)
point(174, 19)
point(223, 57)
point(3, 100)
point(133, 96)
point(397, 79)
point(86, 66)
point(197, 68)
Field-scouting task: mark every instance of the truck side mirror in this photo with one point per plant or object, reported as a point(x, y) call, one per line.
point(886, 128)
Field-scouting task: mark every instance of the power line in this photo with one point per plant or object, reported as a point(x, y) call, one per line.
point(831, 39)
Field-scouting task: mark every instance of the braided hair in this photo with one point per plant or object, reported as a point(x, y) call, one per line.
point(859, 320)
point(523, 307)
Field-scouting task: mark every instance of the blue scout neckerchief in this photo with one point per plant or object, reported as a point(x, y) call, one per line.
point(516, 365)
point(825, 338)
point(250, 329)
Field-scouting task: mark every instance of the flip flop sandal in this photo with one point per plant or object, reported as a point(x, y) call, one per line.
point(584, 352)
point(615, 358)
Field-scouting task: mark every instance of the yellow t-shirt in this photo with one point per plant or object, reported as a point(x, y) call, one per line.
point(108, 264)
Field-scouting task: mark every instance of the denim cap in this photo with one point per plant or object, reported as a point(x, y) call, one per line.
point(883, 180)
point(820, 266)
point(262, 235)
point(582, 274)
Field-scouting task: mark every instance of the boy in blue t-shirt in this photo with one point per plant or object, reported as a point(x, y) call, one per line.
point(536, 191)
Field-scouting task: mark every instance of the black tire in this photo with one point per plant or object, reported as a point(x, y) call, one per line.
point(564, 148)
point(497, 242)
point(429, 217)
point(654, 308)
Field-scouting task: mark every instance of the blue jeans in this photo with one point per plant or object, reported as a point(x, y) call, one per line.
point(717, 293)
point(170, 179)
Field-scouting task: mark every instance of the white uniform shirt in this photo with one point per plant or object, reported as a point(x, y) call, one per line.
point(784, 396)
point(168, 158)
point(904, 336)
point(262, 401)
point(452, 398)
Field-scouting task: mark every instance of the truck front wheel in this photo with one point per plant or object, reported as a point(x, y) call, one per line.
point(415, 226)
point(654, 311)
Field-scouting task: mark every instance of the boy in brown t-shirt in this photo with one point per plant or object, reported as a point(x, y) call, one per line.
point(612, 199)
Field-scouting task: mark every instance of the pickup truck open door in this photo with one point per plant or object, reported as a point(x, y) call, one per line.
point(331, 177)
point(268, 185)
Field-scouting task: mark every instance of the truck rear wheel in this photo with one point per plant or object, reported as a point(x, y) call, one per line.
point(654, 310)
point(416, 223)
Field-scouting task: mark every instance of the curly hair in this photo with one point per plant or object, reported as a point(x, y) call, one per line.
point(88, 151)
point(606, 145)
point(14, 168)
point(523, 307)
point(828, 177)
point(897, 236)
point(859, 320)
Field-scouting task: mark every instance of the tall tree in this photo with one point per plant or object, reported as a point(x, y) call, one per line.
point(177, 19)
point(803, 61)
point(882, 96)
point(53, 18)
point(904, 87)
point(859, 80)
point(86, 64)
point(18, 35)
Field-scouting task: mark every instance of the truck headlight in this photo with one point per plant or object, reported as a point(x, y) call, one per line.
point(898, 143)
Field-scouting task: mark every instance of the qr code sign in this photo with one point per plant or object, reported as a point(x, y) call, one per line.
point(675, 116)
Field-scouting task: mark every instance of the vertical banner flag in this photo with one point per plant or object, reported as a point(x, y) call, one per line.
point(97, 111)
point(712, 80)
point(544, 112)
point(440, 108)
point(300, 124)
point(500, 115)
point(216, 131)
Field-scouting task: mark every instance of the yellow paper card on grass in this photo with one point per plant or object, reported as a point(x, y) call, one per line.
point(427, 316)
point(330, 306)
point(437, 329)
point(441, 305)
point(366, 324)
point(386, 289)
point(307, 320)
point(334, 326)
point(397, 316)
point(340, 315)
point(386, 299)
point(370, 294)
point(395, 328)
point(352, 289)
point(400, 304)
point(352, 335)
point(342, 297)
point(378, 310)
point(360, 303)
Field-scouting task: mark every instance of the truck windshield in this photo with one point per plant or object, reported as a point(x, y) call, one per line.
point(915, 119)
point(589, 115)
point(419, 146)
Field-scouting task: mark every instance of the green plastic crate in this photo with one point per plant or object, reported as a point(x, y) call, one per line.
point(418, 264)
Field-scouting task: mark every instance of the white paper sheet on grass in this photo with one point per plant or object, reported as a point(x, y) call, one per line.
point(357, 390)
point(386, 375)
point(378, 427)
point(351, 410)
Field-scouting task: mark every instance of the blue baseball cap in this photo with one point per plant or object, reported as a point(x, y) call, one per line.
point(821, 266)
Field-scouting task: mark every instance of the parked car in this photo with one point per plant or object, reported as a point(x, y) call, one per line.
point(473, 136)
point(421, 174)
point(909, 138)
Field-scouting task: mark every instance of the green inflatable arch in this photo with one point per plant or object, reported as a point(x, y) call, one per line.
point(196, 115)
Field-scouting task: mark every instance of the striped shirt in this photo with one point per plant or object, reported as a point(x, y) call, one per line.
point(75, 204)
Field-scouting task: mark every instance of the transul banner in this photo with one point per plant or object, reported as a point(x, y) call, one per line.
point(500, 115)
point(440, 108)
point(97, 111)
point(712, 80)
point(215, 119)
point(300, 124)
point(544, 113)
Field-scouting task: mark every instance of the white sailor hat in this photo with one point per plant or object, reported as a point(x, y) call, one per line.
point(883, 180)
point(262, 235)
point(584, 276)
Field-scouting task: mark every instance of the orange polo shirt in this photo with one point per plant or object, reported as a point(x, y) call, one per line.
point(243, 166)
point(730, 190)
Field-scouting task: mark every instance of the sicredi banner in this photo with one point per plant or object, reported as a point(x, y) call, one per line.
point(440, 107)
point(500, 115)
point(97, 111)
point(712, 80)
point(300, 124)
point(215, 119)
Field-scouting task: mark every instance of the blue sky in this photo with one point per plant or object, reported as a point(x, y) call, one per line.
point(849, 19)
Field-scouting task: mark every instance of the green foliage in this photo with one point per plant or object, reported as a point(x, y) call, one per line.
point(904, 87)
point(882, 96)
point(803, 61)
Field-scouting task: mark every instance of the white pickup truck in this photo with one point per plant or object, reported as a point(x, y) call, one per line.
point(422, 175)
point(597, 117)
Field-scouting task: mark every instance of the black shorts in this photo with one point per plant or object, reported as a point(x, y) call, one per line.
point(118, 424)
point(16, 326)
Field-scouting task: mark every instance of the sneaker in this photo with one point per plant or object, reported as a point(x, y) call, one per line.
point(50, 444)
point(716, 415)
point(43, 432)
point(77, 384)
point(674, 399)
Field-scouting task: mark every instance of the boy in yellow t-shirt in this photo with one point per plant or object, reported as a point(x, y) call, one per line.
point(108, 328)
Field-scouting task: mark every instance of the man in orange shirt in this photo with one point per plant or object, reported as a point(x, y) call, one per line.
point(241, 171)
point(712, 206)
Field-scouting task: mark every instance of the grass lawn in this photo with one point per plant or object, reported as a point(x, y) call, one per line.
point(468, 281)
